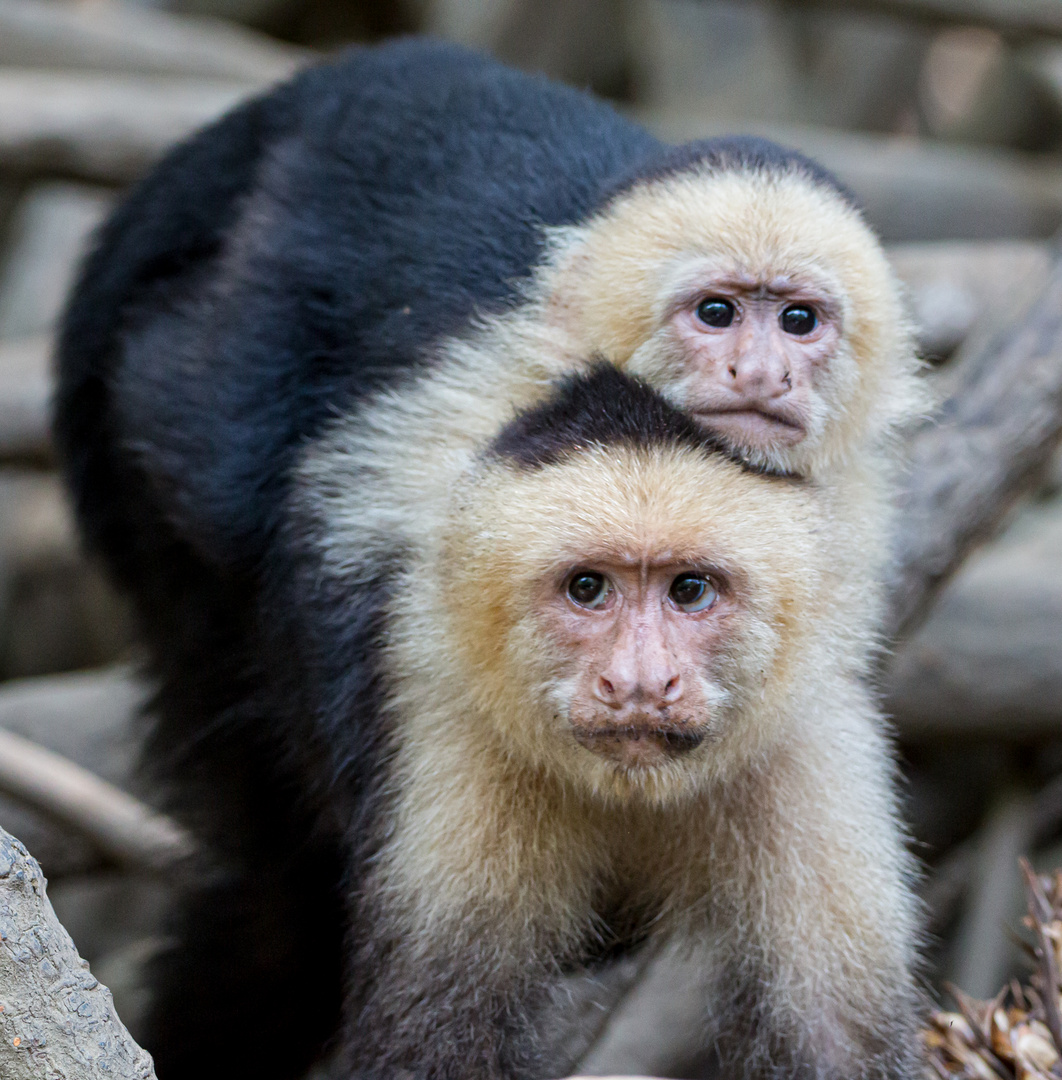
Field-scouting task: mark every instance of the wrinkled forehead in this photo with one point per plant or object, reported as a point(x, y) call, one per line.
point(662, 505)
point(754, 222)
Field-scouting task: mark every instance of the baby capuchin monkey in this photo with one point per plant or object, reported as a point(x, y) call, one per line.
point(619, 711)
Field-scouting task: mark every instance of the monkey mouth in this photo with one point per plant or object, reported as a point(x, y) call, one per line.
point(638, 746)
point(756, 425)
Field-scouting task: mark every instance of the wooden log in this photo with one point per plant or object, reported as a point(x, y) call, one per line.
point(25, 389)
point(46, 238)
point(56, 1019)
point(103, 127)
point(124, 829)
point(988, 660)
point(1013, 17)
point(992, 442)
point(952, 285)
point(132, 38)
point(982, 954)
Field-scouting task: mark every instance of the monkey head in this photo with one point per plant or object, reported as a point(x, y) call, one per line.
point(757, 299)
point(626, 615)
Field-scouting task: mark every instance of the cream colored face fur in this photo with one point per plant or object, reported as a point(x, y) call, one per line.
point(627, 285)
point(488, 607)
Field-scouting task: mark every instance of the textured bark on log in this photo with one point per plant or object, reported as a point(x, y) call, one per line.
point(56, 1020)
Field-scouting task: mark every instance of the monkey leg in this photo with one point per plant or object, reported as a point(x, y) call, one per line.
point(817, 918)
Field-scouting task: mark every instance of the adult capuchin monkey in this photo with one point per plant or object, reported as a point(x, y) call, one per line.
point(617, 704)
point(291, 341)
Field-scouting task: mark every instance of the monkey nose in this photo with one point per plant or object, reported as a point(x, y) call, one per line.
point(653, 690)
point(759, 376)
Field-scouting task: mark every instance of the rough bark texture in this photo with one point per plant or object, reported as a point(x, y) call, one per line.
point(57, 1022)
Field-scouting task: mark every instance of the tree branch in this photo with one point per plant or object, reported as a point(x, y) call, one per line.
point(123, 828)
point(56, 1019)
point(989, 445)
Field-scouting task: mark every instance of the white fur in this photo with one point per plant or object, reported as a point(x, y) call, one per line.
point(781, 841)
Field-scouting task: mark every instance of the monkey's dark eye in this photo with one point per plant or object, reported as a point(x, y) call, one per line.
point(692, 592)
point(715, 311)
point(589, 590)
point(799, 320)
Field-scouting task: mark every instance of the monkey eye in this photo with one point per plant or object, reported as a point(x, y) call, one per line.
point(589, 589)
point(692, 592)
point(715, 311)
point(799, 319)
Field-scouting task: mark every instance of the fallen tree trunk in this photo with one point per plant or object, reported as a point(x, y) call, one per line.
point(128, 37)
point(103, 127)
point(56, 1019)
point(987, 662)
point(1014, 17)
point(990, 444)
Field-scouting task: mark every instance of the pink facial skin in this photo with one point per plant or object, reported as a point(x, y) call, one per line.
point(753, 378)
point(640, 653)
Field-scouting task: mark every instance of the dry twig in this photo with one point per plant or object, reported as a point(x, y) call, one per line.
point(122, 827)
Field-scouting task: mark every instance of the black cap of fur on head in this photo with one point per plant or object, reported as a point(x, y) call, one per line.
point(731, 153)
point(603, 407)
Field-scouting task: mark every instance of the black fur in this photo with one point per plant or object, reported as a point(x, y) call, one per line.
point(733, 153)
point(307, 248)
point(605, 407)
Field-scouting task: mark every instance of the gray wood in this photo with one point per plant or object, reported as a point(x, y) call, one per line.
point(46, 238)
point(25, 390)
point(1021, 17)
point(952, 285)
point(992, 442)
point(57, 1020)
point(100, 126)
point(131, 37)
point(988, 660)
point(88, 717)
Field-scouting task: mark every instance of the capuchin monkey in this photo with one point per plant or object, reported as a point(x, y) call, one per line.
point(618, 709)
point(288, 378)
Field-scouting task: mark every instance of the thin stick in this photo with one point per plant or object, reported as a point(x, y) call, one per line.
point(122, 827)
point(1040, 912)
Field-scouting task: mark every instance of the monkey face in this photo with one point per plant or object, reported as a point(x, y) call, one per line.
point(641, 637)
point(630, 619)
point(760, 303)
point(755, 358)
